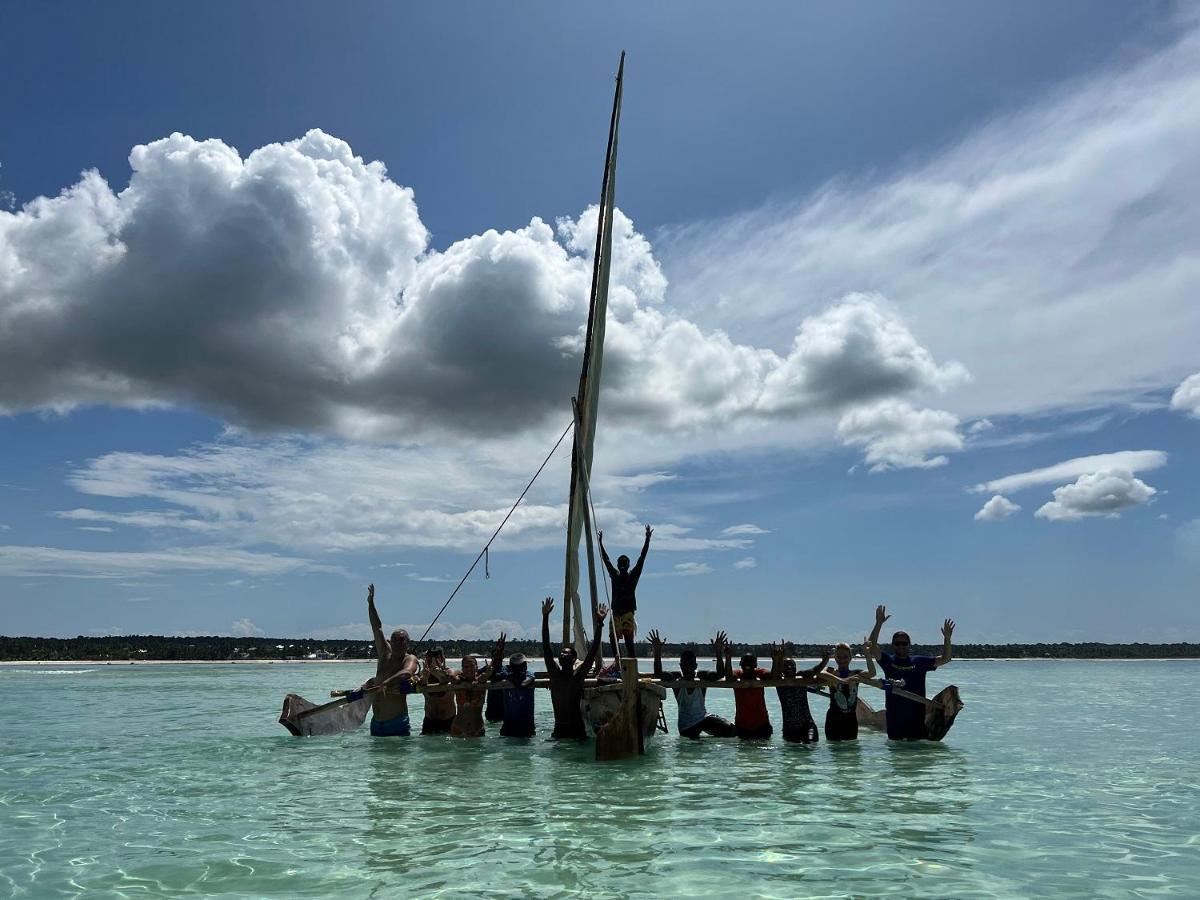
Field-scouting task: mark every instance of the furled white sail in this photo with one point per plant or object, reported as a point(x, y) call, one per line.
point(588, 395)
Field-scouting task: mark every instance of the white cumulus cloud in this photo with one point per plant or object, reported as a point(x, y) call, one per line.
point(748, 562)
point(1187, 396)
point(996, 509)
point(294, 290)
point(1097, 494)
point(895, 434)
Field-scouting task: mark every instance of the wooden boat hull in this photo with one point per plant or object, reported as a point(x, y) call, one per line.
point(600, 704)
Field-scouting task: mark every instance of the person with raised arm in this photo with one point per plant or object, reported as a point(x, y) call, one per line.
point(468, 717)
point(751, 720)
point(439, 705)
point(694, 717)
point(518, 700)
point(798, 724)
point(624, 589)
point(906, 718)
point(841, 719)
point(493, 710)
point(395, 665)
point(566, 676)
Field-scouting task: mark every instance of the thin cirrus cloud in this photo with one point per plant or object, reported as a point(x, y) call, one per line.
point(1045, 241)
point(57, 562)
point(316, 498)
point(1128, 460)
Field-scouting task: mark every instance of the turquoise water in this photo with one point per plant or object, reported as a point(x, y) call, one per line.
point(1060, 779)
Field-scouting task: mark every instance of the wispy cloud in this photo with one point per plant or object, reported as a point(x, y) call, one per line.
point(1131, 460)
point(1050, 251)
point(59, 562)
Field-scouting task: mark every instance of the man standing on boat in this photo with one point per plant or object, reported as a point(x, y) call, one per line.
point(906, 718)
point(624, 586)
point(566, 679)
point(694, 717)
point(395, 666)
point(750, 720)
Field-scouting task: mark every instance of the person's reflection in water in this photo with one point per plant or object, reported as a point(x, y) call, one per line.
point(929, 803)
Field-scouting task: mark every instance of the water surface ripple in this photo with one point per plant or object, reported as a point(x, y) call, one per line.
point(1061, 779)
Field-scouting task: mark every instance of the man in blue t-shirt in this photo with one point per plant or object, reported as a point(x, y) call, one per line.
point(518, 699)
point(906, 718)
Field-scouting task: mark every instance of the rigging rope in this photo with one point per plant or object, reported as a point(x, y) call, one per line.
point(483, 553)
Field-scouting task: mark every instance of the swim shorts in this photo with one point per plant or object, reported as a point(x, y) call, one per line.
point(397, 726)
point(625, 625)
point(436, 726)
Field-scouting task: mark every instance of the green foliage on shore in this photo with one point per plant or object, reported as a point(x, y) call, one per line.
point(156, 647)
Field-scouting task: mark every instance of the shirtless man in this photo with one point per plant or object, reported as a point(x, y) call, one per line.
point(694, 718)
point(395, 666)
point(468, 719)
point(566, 680)
point(439, 705)
point(624, 587)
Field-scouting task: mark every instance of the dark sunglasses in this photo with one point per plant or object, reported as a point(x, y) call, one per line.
point(900, 643)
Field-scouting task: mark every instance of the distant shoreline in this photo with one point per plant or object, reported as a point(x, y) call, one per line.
point(43, 663)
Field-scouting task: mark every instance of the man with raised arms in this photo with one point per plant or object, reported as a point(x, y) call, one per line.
point(394, 668)
point(906, 718)
point(624, 588)
point(750, 720)
point(566, 677)
point(694, 717)
point(518, 700)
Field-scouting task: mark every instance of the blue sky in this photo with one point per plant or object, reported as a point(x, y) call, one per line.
point(868, 263)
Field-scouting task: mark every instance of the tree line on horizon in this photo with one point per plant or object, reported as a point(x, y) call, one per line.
point(157, 647)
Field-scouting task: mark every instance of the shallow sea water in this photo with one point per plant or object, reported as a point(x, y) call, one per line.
point(1060, 779)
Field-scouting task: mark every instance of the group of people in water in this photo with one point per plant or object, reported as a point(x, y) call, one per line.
point(456, 704)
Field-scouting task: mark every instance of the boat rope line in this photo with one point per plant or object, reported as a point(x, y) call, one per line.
point(483, 554)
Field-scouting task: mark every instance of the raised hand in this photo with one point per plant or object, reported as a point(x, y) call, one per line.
point(826, 654)
point(649, 531)
point(777, 651)
point(601, 612)
point(656, 643)
point(547, 606)
point(948, 628)
point(720, 641)
point(370, 593)
point(881, 615)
